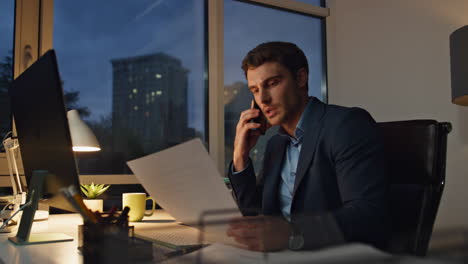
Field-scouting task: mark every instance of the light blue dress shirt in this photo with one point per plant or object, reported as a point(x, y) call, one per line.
point(289, 166)
point(290, 161)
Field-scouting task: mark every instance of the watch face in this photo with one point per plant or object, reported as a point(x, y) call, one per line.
point(296, 242)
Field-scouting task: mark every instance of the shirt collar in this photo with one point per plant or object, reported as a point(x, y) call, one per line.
point(300, 128)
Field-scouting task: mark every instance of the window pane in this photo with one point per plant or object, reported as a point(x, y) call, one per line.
point(264, 24)
point(135, 70)
point(7, 9)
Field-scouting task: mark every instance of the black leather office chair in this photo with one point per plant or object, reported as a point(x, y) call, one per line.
point(416, 154)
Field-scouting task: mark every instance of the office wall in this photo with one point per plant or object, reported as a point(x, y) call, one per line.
point(392, 58)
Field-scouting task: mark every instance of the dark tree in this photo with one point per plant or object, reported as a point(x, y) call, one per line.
point(6, 72)
point(71, 102)
point(6, 80)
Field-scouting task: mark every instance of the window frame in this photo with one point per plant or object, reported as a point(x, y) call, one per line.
point(34, 27)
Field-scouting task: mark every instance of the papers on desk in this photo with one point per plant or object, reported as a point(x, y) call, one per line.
point(186, 183)
point(350, 253)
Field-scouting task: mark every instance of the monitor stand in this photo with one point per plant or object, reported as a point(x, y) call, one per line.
point(24, 236)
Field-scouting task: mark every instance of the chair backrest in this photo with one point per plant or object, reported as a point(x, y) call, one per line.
point(416, 155)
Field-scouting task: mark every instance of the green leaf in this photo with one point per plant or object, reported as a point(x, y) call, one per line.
point(92, 191)
point(84, 190)
point(102, 190)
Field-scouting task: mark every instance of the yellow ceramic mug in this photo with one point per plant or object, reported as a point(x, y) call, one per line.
point(137, 204)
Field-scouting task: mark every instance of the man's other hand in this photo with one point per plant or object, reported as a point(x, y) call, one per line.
point(260, 233)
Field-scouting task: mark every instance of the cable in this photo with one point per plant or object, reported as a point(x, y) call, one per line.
point(5, 223)
point(11, 202)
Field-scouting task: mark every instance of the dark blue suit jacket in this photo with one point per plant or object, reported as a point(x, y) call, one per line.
point(341, 172)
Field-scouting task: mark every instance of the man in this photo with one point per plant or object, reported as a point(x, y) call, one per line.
point(323, 180)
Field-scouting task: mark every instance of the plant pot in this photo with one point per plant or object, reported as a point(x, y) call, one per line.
point(94, 204)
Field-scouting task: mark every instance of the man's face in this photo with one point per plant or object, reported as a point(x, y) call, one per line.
point(277, 93)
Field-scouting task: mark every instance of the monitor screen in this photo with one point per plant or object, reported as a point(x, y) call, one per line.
point(44, 137)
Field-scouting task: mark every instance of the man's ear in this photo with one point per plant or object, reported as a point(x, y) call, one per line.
point(302, 78)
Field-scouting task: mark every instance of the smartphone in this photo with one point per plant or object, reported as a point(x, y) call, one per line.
point(261, 119)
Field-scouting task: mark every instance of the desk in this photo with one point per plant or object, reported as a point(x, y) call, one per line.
point(67, 252)
point(45, 253)
point(167, 228)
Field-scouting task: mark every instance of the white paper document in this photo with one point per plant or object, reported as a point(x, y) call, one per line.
point(186, 183)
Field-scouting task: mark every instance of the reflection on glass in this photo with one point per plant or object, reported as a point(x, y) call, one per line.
point(263, 24)
point(134, 70)
point(7, 9)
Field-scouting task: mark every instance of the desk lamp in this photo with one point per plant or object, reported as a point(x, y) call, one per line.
point(83, 138)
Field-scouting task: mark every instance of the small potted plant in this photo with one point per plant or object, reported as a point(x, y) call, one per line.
point(92, 191)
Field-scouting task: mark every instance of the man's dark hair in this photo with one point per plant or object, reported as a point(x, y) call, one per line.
point(284, 53)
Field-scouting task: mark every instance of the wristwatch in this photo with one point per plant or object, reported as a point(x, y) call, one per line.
point(296, 239)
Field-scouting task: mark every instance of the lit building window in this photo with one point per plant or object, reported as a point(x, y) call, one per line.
point(135, 91)
point(152, 93)
point(158, 92)
point(158, 76)
point(135, 108)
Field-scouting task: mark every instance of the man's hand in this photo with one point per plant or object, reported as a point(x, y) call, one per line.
point(260, 233)
point(245, 139)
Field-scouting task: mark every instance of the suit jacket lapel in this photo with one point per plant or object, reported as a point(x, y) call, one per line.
point(312, 131)
point(272, 170)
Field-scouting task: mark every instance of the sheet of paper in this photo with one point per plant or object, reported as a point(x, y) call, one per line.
point(186, 183)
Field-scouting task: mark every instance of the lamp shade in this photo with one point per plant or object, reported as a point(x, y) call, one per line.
point(459, 65)
point(83, 139)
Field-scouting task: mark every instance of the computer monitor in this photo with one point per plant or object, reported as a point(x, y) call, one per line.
point(41, 122)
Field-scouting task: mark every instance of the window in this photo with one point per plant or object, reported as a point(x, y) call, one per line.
point(7, 9)
point(262, 24)
point(105, 53)
point(135, 71)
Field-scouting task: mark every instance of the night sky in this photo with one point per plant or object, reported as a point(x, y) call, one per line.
point(88, 34)
point(6, 27)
